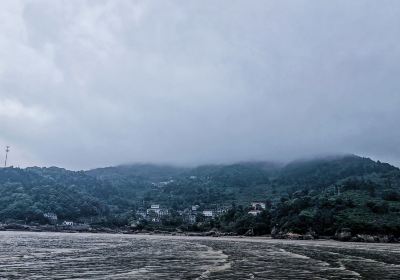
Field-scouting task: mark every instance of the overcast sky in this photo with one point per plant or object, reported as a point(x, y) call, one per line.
point(85, 84)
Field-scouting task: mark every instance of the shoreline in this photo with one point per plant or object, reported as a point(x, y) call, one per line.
point(247, 239)
point(213, 235)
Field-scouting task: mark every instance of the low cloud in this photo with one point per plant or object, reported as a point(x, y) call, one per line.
point(94, 83)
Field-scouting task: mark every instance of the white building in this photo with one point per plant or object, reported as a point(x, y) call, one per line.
point(256, 205)
point(208, 213)
point(141, 213)
point(156, 210)
point(192, 219)
point(220, 211)
point(163, 184)
point(51, 216)
point(254, 212)
point(68, 223)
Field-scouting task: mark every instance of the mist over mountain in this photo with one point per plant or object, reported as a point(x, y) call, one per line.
point(323, 194)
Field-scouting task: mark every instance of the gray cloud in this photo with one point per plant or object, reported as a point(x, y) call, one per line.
point(94, 83)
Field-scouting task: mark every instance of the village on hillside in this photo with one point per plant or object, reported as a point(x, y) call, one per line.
point(154, 215)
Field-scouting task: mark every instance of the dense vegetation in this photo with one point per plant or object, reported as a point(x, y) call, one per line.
point(320, 195)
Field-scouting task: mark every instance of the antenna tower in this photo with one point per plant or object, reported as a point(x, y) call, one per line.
point(7, 151)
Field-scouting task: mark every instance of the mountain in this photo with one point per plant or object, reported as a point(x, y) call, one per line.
point(325, 171)
point(323, 194)
point(26, 194)
point(137, 172)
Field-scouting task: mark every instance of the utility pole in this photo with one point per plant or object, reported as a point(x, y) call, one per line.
point(7, 150)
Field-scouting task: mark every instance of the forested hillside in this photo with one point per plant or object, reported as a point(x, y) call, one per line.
point(319, 195)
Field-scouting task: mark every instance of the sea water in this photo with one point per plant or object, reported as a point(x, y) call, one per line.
point(27, 255)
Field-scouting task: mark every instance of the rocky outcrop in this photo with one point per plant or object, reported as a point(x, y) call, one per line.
point(374, 238)
point(16, 227)
point(343, 234)
point(276, 234)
